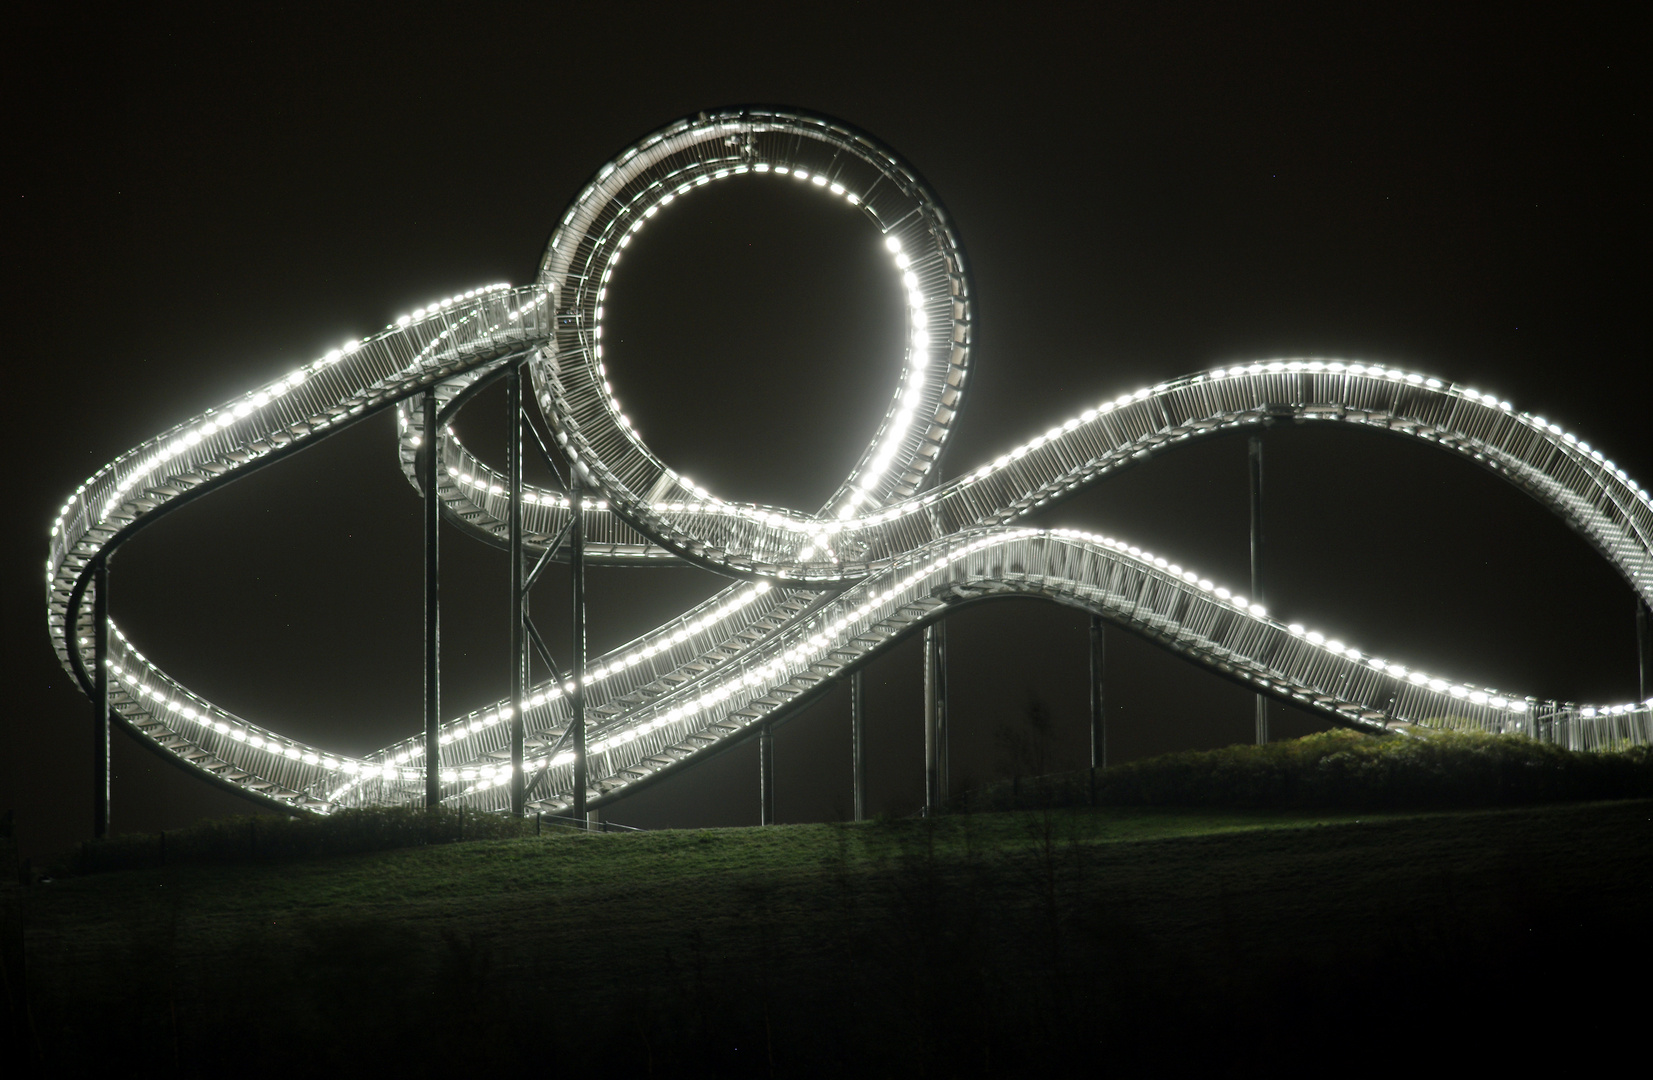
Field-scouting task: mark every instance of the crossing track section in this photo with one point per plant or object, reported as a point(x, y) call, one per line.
point(814, 594)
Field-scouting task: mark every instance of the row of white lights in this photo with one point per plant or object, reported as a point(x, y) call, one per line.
point(485, 482)
point(514, 315)
point(259, 739)
point(1171, 568)
point(436, 307)
point(805, 652)
point(453, 328)
point(647, 648)
point(1375, 371)
point(829, 637)
point(257, 400)
point(1474, 695)
point(220, 420)
point(223, 724)
point(1334, 367)
point(820, 531)
point(918, 353)
point(779, 667)
point(643, 219)
point(918, 358)
point(1253, 369)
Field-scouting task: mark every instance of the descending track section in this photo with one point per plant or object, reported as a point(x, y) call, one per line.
point(816, 593)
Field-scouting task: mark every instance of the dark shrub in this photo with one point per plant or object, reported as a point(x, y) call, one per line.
point(1347, 770)
point(275, 839)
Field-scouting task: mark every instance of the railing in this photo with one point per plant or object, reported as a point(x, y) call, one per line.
point(823, 592)
point(738, 633)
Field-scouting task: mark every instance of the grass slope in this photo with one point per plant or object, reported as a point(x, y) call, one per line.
point(992, 944)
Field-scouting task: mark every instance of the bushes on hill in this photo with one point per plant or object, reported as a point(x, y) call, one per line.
point(1334, 770)
point(1344, 770)
point(275, 839)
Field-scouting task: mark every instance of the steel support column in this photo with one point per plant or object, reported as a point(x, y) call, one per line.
point(519, 637)
point(576, 699)
point(1644, 653)
point(935, 715)
point(766, 775)
point(1255, 459)
point(428, 466)
point(100, 698)
point(1099, 716)
point(857, 748)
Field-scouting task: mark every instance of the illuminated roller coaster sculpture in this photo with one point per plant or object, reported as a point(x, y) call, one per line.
point(814, 594)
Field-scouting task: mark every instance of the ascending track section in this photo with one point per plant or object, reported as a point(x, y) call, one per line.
point(815, 592)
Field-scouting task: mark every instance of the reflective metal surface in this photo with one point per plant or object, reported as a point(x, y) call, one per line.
point(820, 591)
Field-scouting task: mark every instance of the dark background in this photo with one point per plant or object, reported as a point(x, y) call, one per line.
point(199, 203)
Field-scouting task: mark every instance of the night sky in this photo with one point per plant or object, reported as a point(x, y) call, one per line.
point(197, 206)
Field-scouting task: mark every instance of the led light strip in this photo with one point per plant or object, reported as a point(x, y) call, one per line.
point(346, 382)
point(1085, 446)
point(571, 376)
point(397, 765)
point(893, 560)
point(918, 344)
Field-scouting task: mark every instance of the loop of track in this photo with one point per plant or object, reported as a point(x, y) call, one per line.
point(823, 591)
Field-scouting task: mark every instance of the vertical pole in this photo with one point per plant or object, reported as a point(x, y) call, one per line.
point(929, 720)
point(576, 701)
point(858, 747)
point(428, 466)
point(935, 716)
point(1099, 717)
point(519, 682)
point(1255, 456)
point(766, 775)
point(1644, 652)
point(100, 698)
point(944, 774)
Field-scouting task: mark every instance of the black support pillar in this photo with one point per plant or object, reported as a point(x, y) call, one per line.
point(1644, 652)
point(428, 466)
point(766, 775)
point(576, 700)
point(935, 716)
point(100, 698)
point(1099, 716)
point(857, 748)
point(1255, 456)
point(519, 636)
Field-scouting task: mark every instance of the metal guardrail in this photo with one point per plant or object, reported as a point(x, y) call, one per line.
point(822, 591)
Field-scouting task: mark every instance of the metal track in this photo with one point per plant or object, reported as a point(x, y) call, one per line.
point(822, 591)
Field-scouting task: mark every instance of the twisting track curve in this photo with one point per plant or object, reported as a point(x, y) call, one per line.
point(815, 593)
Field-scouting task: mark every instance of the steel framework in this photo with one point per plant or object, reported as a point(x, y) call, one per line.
point(815, 594)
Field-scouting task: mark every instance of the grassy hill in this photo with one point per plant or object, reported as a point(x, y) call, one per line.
point(988, 944)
